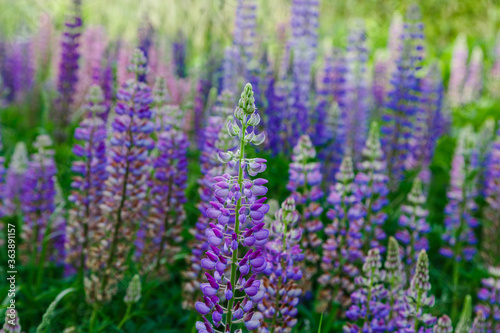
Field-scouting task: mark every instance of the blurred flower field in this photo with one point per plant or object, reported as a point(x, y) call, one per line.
point(249, 166)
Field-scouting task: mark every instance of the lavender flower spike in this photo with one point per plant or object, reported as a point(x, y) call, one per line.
point(413, 224)
point(283, 254)
point(88, 180)
point(238, 206)
point(125, 187)
point(417, 298)
point(15, 177)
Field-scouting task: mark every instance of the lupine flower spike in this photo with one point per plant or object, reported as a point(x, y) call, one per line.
point(238, 206)
point(489, 301)
point(11, 324)
point(125, 187)
point(443, 325)
point(15, 176)
point(283, 254)
point(88, 182)
point(413, 224)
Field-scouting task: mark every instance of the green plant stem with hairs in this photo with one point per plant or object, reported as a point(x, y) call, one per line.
point(234, 260)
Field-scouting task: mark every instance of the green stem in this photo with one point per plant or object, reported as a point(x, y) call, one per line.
point(92, 320)
point(419, 300)
point(125, 316)
point(234, 260)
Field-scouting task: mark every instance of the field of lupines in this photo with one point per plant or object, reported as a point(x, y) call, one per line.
point(293, 183)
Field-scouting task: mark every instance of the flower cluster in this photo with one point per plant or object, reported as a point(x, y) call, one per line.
point(11, 324)
point(369, 308)
point(215, 140)
point(125, 187)
point(489, 297)
point(304, 183)
point(159, 234)
point(14, 178)
point(459, 221)
point(283, 254)
point(413, 224)
point(237, 206)
point(38, 204)
point(88, 182)
point(68, 70)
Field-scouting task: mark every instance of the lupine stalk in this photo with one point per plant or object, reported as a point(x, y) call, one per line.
point(88, 181)
point(125, 187)
point(464, 324)
point(459, 221)
point(395, 281)
point(413, 224)
point(443, 325)
point(283, 255)
point(304, 183)
point(369, 310)
point(38, 202)
point(372, 180)
point(479, 324)
point(417, 298)
point(68, 71)
point(238, 197)
point(159, 235)
point(11, 324)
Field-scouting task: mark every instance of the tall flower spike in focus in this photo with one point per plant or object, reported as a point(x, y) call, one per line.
point(417, 298)
point(88, 180)
point(342, 249)
point(15, 177)
point(237, 238)
point(283, 255)
point(304, 183)
point(159, 235)
point(413, 224)
point(369, 308)
point(215, 139)
point(125, 187)
point(371, 181)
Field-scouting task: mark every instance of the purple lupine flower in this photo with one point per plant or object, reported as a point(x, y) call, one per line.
point(489, 301)
point(18, 70)
point(15, 177)
point(430, 124)
point(321, 133)
point(396, 280)
point(343, 246)
point(125, 187)
point(108, 89)
point(3, 192)
point(490, 245)
point(146, 34)
point(88, 180)
point(443, 325)
point(458, 71)
point(479, 323)
point(244, 34)
point(485, 138)
point(417, 298)
point(356, 106)
point(283, 254)
point(402, 101)
point(38, 201)
point(460, 222)
point(473, 85)
point(11, 324)
point(413, 224)
point(304, 183)
point(239, 197)
point(395, 40)
point(369, 310)
point(371, 181)
point(304, 28)
point(159, 236)
point(68, 71)
point(216, 139)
